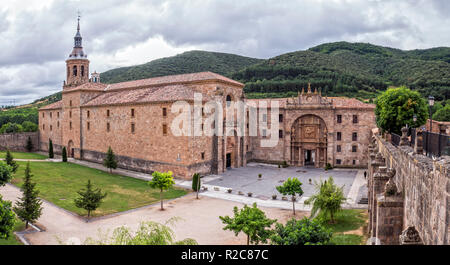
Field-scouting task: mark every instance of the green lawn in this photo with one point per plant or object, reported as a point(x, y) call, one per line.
point(12, 240)
point(22, 155)
point(59, 183)
point(348, 220)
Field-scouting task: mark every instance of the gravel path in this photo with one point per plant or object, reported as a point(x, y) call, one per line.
point(200, 220)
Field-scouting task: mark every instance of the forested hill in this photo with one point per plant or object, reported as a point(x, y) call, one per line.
point(187, 62)
point(350, 69)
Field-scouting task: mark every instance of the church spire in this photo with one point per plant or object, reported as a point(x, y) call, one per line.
point(78, 39)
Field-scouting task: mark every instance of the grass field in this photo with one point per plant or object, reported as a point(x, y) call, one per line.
point(22, 155)
point(59, 183)
point(12, 240)
point(349, 227)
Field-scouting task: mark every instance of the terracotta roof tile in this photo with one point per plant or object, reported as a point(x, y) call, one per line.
point(56, 105)
point(173, 79)
point(88, 86)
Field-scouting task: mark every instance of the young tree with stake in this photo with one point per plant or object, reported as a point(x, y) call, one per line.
point(110, 160)
point(162, 181)
point(291, 187)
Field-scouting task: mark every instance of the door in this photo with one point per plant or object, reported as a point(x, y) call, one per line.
point(228, 160)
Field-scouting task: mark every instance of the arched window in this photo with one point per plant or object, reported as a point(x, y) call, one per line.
point(74, 70)
point(82, 70)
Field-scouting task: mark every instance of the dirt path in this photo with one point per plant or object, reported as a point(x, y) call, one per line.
point(200, 220)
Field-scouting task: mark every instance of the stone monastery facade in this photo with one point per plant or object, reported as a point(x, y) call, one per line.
point(135, 118)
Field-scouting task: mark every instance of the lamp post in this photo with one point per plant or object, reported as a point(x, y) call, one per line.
point(430, 103)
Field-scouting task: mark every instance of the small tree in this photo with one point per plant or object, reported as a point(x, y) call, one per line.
point(110, 160)
point(328, 199)
point(28, 208)
point(291, 187)
point(9, 159)
point(301, 232)
point(443, 114)
point(251, 221)
point(5, 174)
point(64, 154)
point(196, 182)
point(90, 199)
point(162, 181)
point(50, 149)
point(29, 146)
point(7, 218)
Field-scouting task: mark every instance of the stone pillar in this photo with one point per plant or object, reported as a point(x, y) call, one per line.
point(410, 237)
point(418, 144)
point(389, 213)
point(404, 139)
point(379, 180)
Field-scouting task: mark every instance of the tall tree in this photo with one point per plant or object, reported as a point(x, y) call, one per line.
point(251, 221)
point(110, 160)
point(28, 208)
point(301, 232)
point(29, 146)
point(9, 159)
point(443, 114)
point(5, 173)
point(291, 187)
point(64, 154)
point(396, 107)
point(50, 149)
point(196, 182)
point(328, 200)
point(7, 218)
point(89, 199)
point(162, 181)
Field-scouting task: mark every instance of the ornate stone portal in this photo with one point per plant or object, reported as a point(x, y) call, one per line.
point(309, 141)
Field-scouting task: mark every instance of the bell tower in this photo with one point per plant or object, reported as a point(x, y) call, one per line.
point(77, 65)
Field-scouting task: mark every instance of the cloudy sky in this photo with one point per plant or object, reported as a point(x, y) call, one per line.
point(36, 36)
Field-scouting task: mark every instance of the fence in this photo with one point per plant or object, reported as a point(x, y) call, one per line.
point(433, 143)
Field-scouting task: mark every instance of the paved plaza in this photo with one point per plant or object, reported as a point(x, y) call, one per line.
point(245, 179)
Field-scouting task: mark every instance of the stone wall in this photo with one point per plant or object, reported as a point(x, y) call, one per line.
point(407, 192)
point(18, 141)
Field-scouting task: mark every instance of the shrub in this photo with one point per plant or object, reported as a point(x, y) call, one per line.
point(301, 232)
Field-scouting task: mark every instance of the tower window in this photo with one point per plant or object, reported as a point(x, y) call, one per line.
point(354, 148)
point(280, 134)
point(70, 103)
point(280, 118)
point(57, 114)
point(228, 100)
point(338, 148)
point(70, 114)
point(82, 70)
point(88, 113)
point(164, 129)
point(339, 118)
point(51, 115)
point(51, 127)
point(132, 113)
point(164, 111)
point(203, 155)
point(355, 136)
point(355, 118)
point(74, 70)
point(107, 113)
point(43, 126)
point(132, 128)
point(57, 124)
point(88, 126)
point(108, 127)
point(338, 136)
point(70, 125)
point(43, 114)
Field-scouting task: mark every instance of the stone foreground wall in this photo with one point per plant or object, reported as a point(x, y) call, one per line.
point(18, 141)
point(407, 192)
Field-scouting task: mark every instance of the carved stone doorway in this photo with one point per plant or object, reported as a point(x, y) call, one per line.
point(309, 141)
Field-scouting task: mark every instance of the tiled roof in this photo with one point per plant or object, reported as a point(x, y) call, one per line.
point(173, 79)
point(88, 86)
point(56, 105)
point(144, 95)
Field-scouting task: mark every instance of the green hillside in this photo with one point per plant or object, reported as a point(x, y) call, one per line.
point(187, 62)
point(350, 69)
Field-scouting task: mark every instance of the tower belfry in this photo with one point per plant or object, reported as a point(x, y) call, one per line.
point(77, 65)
